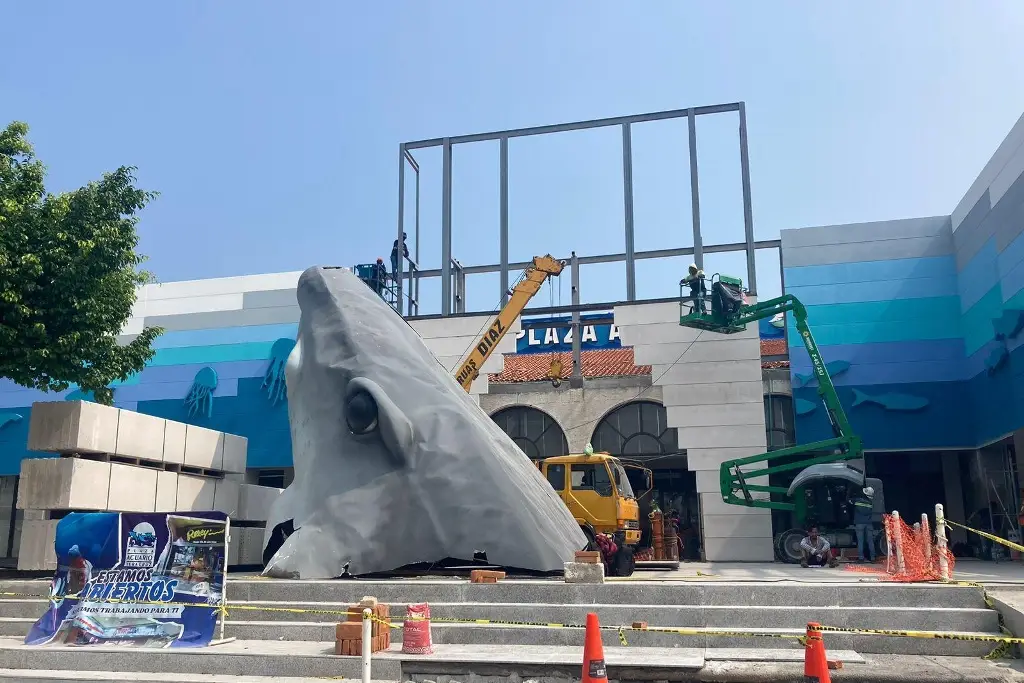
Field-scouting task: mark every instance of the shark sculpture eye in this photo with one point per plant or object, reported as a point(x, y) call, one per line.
point(361, 413)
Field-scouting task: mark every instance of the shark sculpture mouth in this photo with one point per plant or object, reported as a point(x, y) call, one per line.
point(395, 464)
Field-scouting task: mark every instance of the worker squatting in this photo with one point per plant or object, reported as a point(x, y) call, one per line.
point(130, 585)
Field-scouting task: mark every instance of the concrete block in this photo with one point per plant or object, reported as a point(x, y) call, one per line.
point(457, 326)
point(716, 415)
point(255, 501)
point(737, 526)
point(140, 436)
point(713, 393)
point(645, 314)
point(250, 545)
point(713, 372)
point(722, 437)
point(711, 503)
point(132, 489)
point(584, 572)
point(226, 496)
point(708, 481)
point(236, 450)
point(195, 493)
point(711, 458)
point(649, 353)
point(661, 332)
point(734, 550)
point(72, 427)
point(63, 484)
point(174, 442)
point(204, 447)
point(36, 551)
point(166, 492)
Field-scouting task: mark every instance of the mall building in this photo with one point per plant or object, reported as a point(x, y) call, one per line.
point(920, 320)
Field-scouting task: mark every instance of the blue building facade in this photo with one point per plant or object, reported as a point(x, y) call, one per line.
point(919, 320)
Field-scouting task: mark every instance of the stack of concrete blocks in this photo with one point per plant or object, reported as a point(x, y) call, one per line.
point(712, 392)
point(123, 461)
point(451, 340)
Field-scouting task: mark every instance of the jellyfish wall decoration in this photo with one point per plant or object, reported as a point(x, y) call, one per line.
point(273, 378)
point(199, 400)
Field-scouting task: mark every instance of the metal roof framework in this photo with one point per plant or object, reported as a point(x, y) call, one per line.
point(452, 273)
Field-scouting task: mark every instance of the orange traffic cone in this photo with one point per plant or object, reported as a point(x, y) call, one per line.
point(593, 652)
point(815, 662)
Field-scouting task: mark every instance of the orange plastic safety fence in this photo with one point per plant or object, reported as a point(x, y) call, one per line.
point(920, 554)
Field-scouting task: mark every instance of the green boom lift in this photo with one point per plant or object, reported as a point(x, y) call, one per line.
point(729, 314)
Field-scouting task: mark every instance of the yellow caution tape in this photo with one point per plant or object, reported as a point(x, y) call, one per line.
point(931, 635)
point(1009, 544)
point(621, 630)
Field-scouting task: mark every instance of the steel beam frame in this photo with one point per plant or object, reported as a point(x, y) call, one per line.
point(629, 255)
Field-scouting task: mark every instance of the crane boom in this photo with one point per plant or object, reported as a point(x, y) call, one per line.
point(844, 444)
point(525, 288)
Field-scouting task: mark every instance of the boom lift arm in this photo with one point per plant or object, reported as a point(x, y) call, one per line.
point(525, 288)
point(844, 445)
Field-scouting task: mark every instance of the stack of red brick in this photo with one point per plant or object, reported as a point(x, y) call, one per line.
point(348, 635)
point(588, 556)
point(485, 576)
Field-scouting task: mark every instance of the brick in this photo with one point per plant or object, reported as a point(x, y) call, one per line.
point(588, 556)
point(640, 624)
point(348, 630)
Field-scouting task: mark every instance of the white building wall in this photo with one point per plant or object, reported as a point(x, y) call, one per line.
point(713, 393)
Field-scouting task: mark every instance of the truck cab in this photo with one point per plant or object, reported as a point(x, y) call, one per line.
point(595, 488)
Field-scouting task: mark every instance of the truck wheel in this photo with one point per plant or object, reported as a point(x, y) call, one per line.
point(624, 562)
point(787, 546)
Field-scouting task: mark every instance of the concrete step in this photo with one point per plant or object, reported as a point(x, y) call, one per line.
point(866, 593)
point(238, 658)
point(859, 594)
point(60, 676)
point(322, 633)
point(910, 618)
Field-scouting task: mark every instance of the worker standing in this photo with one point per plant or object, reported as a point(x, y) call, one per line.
point(380, 276)
point(399, 252)
point(698, 290)
point(863, 521)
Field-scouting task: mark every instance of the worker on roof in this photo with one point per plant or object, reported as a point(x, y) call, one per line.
point(698, 290)
point(380, 276)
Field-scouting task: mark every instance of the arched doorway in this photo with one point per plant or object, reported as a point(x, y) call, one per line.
point(637, 428)
point(533, 430)
point(638, 432)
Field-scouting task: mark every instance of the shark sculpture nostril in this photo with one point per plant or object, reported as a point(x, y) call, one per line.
point(395, 464)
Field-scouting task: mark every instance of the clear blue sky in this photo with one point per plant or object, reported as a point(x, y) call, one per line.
point(271, 129)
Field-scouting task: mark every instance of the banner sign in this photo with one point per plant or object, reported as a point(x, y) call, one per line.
point(545, 339)
point(136, 580)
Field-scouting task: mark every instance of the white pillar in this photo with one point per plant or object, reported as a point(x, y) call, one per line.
point(897, 534)
point(367, 643)
point(940, 542)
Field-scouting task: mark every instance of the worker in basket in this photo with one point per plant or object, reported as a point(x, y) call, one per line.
point(380, 276)
point(698, 291)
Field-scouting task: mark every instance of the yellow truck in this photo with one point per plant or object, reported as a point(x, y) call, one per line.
point(595, 488)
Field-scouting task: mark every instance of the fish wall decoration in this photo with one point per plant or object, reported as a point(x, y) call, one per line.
point(9, 418)
point(802, 406)
point(890, 401)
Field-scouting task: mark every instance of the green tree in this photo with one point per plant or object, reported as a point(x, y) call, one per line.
point(68, 275)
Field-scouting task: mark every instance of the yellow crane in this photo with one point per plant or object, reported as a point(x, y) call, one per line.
point(528, 285)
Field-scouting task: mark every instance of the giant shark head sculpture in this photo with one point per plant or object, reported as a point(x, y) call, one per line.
point(395, 464)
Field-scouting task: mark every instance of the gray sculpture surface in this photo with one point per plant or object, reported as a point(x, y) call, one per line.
point(395, 464)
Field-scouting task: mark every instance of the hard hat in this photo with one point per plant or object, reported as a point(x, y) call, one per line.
point(380, 260)
point(868, 491)
point(693, 267)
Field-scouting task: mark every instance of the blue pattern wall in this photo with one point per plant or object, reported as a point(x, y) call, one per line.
point(884, 307)
point(921, 320)
point(988, 237)
point(240, 352)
